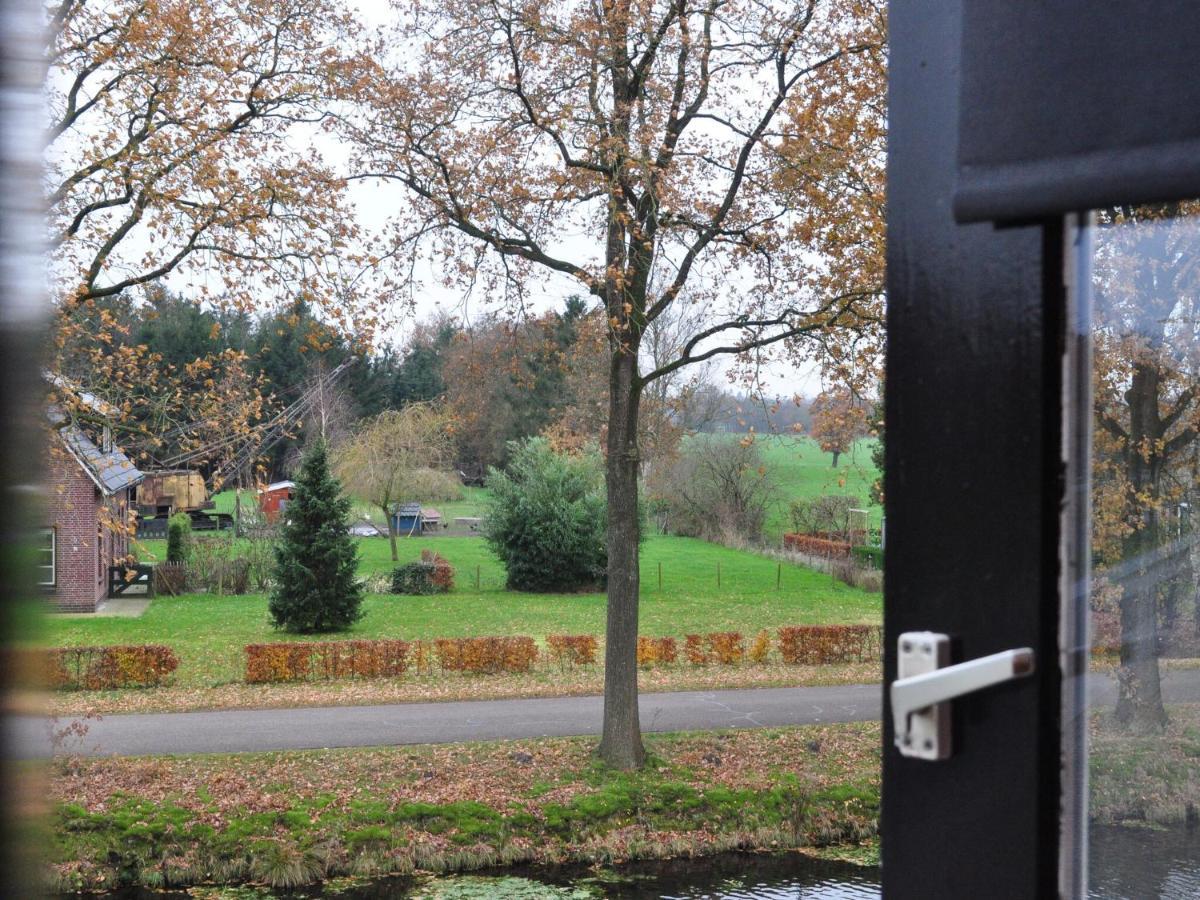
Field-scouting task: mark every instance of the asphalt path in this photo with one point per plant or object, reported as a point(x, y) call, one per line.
point(250, 730)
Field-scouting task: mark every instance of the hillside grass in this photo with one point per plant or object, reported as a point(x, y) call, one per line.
point(799, 469)
point(208, 632)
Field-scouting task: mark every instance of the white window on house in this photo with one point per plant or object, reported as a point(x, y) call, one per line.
point(45, 557)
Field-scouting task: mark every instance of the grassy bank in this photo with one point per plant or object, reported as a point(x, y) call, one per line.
point(291, 818)
point(209, 632)
point(1151, 779)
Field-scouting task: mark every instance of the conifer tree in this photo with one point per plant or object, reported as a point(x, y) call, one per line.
point(316, 560)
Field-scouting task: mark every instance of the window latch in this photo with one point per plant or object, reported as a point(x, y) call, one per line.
point(926, 683)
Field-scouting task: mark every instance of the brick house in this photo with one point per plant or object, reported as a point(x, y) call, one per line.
point(90, 495)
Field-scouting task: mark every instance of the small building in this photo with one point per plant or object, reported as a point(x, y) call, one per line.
point(431, 519)
point(407, 518)
point(274, 498)
point(89, 512)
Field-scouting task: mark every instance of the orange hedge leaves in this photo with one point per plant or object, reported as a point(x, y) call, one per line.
point(99, 668)
point(487, 655)
point(573, 649)
point(815, 645)
point(817, 546)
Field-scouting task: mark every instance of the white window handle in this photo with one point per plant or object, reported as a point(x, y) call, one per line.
point(926, 683)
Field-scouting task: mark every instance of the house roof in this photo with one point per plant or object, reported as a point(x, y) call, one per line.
point(111, 470)
point(278, 486)
point(408, 509)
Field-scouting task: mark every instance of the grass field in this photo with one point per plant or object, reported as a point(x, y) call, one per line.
point(208, 632)
point(800, 468)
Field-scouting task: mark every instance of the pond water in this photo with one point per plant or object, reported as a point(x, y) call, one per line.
point(1126, 864)
point(1144, 863)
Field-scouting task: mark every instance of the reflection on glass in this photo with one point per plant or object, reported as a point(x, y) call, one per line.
point(1144, 690)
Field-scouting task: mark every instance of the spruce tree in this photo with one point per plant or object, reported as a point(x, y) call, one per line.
point(316, 560)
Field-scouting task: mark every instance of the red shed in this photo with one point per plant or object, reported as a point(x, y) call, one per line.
point(274, 498)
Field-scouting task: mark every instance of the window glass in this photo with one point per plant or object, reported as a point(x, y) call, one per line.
point(45, 557)
point(1144, 680)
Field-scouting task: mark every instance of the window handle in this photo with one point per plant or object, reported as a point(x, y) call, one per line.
point(926, 684)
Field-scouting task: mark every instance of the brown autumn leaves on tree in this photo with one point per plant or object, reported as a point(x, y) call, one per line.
point(173, 152)
point(839, 418)
point(647, 154)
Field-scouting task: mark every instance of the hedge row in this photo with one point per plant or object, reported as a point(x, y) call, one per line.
point(326, 660)
point(486, 654)
point(573, 649)
point(431, 574)
point(817, 546)
point(814, 645)
point(97, 668)
point(872, 556)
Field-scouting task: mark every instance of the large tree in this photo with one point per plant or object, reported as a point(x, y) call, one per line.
point(1147, 405)
point(647, 154)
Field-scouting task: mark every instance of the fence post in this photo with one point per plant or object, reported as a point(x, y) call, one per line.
point(660, 575)
point(778, 575)
point(477, 576)
point(718, 574)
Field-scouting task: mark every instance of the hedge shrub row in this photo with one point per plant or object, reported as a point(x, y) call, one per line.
point(656, 651)
point(326, 660)
point(487, 655)
point(431, 574)
point(817, 546)
point(573, 649)
point(97, 668)
point(815, 645)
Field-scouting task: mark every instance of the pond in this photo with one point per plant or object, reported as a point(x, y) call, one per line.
point(725, 877)
point(1144, 863)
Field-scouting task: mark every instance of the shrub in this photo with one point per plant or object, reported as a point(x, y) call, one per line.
point(719, 488)
point(726, 647)
point(431, 574)
point(547, 519)
point(655, 651)
point(817, 546)
point(316, 559)
point(215, 570)
point(102, 668)
point(170, 578)
point(815, 645)
point(872, 556)
point(572, 649)
point(487, 655)
point(761, 648)
point(825, 515)
point(326, 660)
point(179, 535)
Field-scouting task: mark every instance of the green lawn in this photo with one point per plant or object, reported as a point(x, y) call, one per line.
point(801, 469)
point(209, 632)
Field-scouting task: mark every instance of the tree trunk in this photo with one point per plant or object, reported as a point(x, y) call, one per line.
point(1139, 702)
point(391, 525)
point(621, 743)
point(836, 454)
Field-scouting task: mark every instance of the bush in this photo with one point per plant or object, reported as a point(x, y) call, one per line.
point(547, 519)
point(718, 489)
point(431, 574)
point(816, 546)
point(726, 647)
point(761, 648)
point(179, 536)
point(871, 556)
point(572, 649)
point(693, 649)
point(215, 570)
point(825, 515)
point(487, 655)
point(656, 651)
point(316, 559)
point(170, 578)
point(101, 668)
point(816, 645)
point(325, 660)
